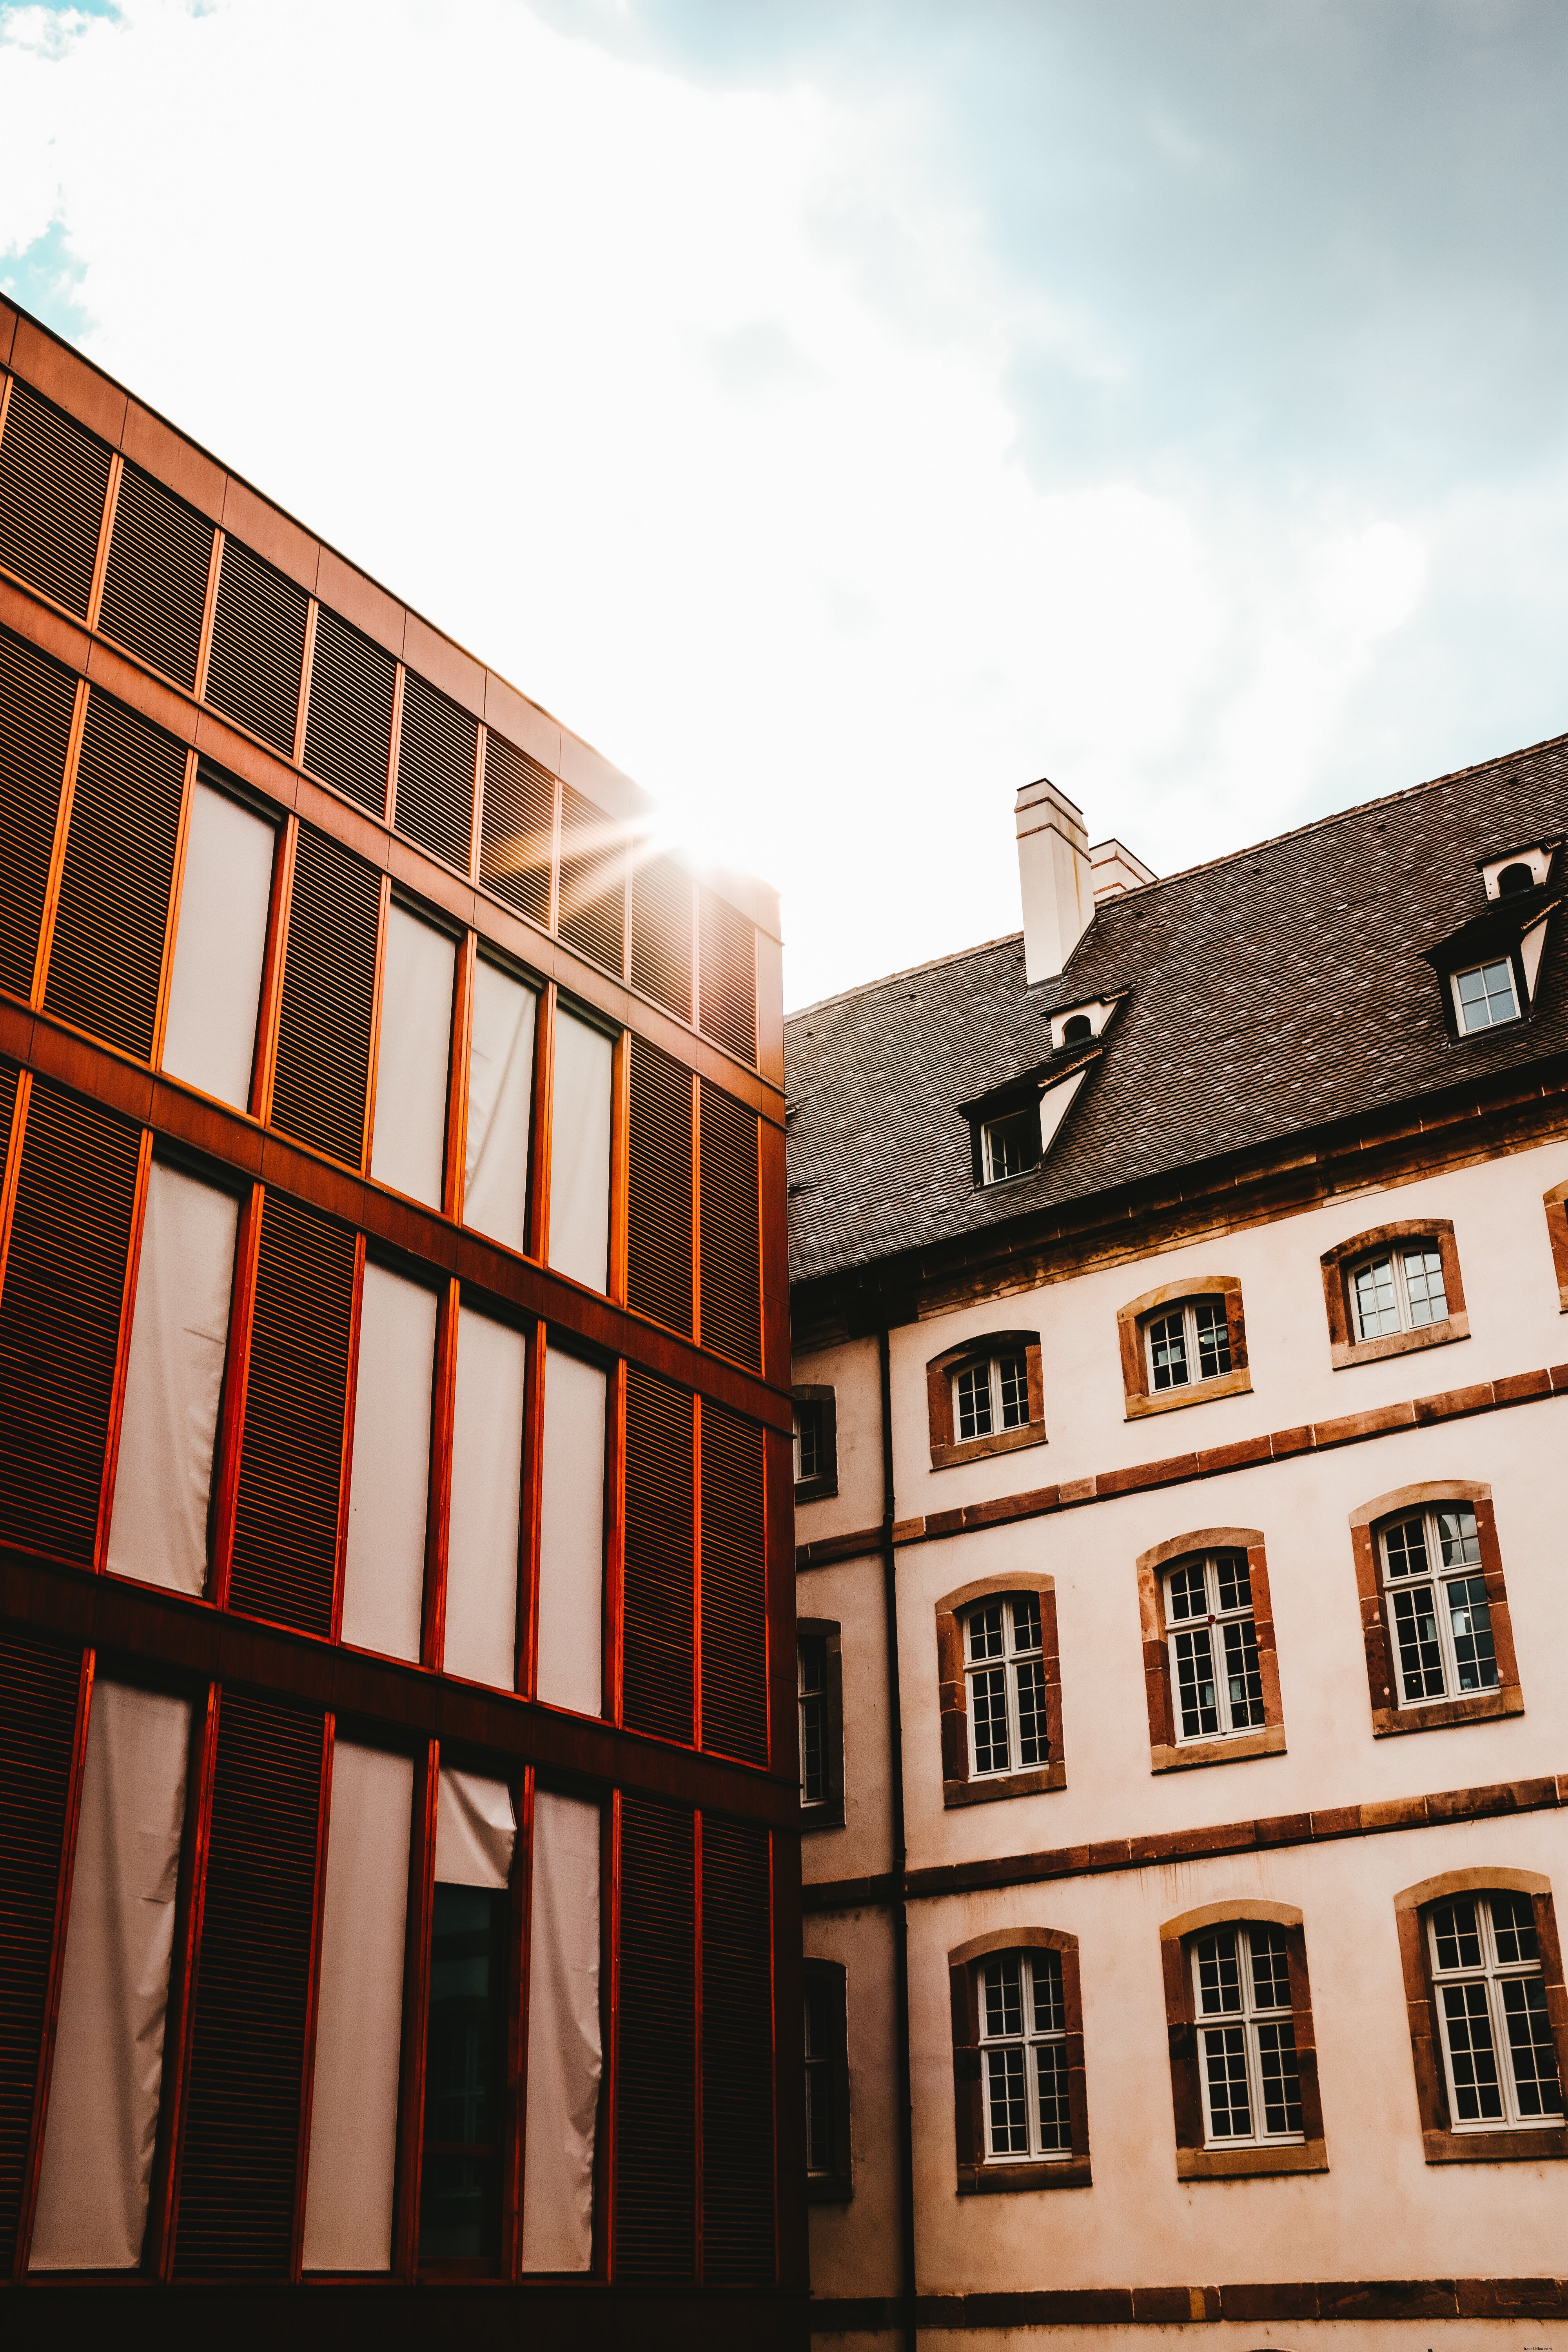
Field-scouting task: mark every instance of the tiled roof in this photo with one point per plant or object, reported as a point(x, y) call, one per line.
point(1273, 991)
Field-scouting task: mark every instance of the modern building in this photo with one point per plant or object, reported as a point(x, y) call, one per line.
point(1178, 1297)
point(399, 1839)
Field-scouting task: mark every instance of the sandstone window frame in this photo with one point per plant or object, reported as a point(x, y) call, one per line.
point(827, 1812)
point(1389, 1718)
point(1140, 1396)
point(1440, 2143)
point(1339, 1266)
point(1195, 2160)
point(976, 2175)
point(1555, 1203)
point(823, 1481)
point(958, 1786)
point(1167, 1753)
point(947, 1449)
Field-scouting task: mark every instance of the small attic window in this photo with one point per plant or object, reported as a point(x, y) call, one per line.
point(1515, 878)
point(1484, 996)
point(1011, 1145)
point(1077, 1029)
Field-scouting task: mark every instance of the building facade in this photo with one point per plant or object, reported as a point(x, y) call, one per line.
point(400, 1855)
point(1178, 1299)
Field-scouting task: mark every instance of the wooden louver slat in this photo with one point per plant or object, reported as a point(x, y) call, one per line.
point(517, 829)
point(734, 1588)
point(257, 649)
point(737, 2057)
point(729, 1229)
point(291, 1465)
point(155, 581)
point(39, 1689)
point(659, 1630)
point(661, 934)
point(106, 957)
point(54, 479)
point(252, 1984)
point(436, 754)
point(727, 979)
point(593, 882)
point(656, 2121)
point(36, 699)
point(348, 724)
point(59, 1320)
point(328, 987)
point(659, 1188)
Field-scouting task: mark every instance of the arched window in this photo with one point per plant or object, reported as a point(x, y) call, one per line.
point(1181, 1344)
point(1000, 1678)
point(1392, 1289)
point(1435, 1613)
point(1210, 1669)
point(985, 1397)
point(1244, 2069)
point(1481, 1958)
point(1017, 2040)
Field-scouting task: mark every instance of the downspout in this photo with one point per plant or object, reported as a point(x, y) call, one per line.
point(909, 2331)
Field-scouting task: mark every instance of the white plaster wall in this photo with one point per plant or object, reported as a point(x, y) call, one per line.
point(854, 2247)
point(850, 1593)
point(850, 1371)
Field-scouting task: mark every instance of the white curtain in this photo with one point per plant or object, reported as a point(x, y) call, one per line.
point(179, 1330)
point(572, 1535)
point(408, 1146)
point(359, 2013)
point(487, 1497)
point(209, 1039)
point(476, 1831)
point(564, 2051)
point(109, 2055)
point(501, 1096)
point(579, 1152)
point(384, 1567)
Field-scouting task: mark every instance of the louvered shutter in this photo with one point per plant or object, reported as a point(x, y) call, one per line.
point(329, 990)
point(656, 2057)
point(156, 581)
point(257, 649)
point(659, 1188)
point(241, 2137)
point(291, 1467)
point(54, 479)
point(730, 1231)
point(657, 1628)
point(106, 957)
point(38, 1695)
point(59, 1320)
point(728, 976)
point(737, 2057)
point(734, 1588)
point(593, 882)
point(661, 934)
point(436, 754)
point(348, 725)
point(8, 1077)
point(36, 699)
point(517, 829)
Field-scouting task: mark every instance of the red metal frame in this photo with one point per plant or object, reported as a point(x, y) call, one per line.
point(105, 531)
point(433, 1625)
point(123, 1354)
point(312, 1998)
point(164, 2216)
point(306, 663)
point(264, 1060)
point(231, 1411)
point(541, 1127)
point(346, 1446)
point(58, 852)
point(415, 2014)
point(382, 912)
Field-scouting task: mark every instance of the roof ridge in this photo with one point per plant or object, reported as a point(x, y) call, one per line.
point(884, 979)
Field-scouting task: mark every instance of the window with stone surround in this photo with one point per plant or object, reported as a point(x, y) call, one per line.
point(1435, 1625)
point(829, 2179)
point(1020, 2108)
point(815, 1442)
point(820, 1710)
point(1000, 1678)
point(1183, 1343)
point(1244, 2061)
point(1393, 1289)
point(1210, 1668)
point(985, 1397)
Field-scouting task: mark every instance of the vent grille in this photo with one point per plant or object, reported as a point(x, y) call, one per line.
point(729, 980)
point(59, 1320)
point(36, 704)
point(734, 1588)
point(291, 1465)
point(517, 829)
point(656, 2057)
point(436, 754)
point(38, 1689)
point(348, 726)
point(54, 479)
point(7, 1109)
point(659, 1188)
point(106, 957)
point(661, 934)
point(155, 581)
point(660, 1587)
point(737, 2057)
point(593, 882)
point(730, 1230)
point(329, 990)
point(257, 649)
point(248, 2032)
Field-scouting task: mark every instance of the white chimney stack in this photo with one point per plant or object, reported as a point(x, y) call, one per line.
point(1056, 877)
point(1116, 870)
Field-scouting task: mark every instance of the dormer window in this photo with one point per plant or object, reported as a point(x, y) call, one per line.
point(1514, 878)
point(1077, 1029)
point(1078, 1025)
point(1010, 1146)
point(1484, 996)
point(1489, 968)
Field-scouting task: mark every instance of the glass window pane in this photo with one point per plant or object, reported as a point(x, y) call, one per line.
point(1034, 1746)
point(1188, 1596)
point(1486, 995)
point(1002, 2007)
point(1469, 1619)
point(1218, 1973)
point(1214, 1338)
point(572, 1535)
point(384, 1565)
point(988, 1713)
point(459, 2206)
point(1225, 2068)
point(1007, 2105)
point(1233, 1579)
point(214, 991)
point(500, 1099)
point(409, 1144)
point(1168, 1353)
point(1457, 1537)
point(1457, 1935)
point(1376, 1308)
point(973, 1398)
point(1014, 1381)
point(1270, 1969)
point(986, 1631)
point(1243, 1679)
point(1196, 1698)
point(579, 1152)
point(1478, 2095)
point(1027, 1622)
point(1416, 1639)
point(1513, 1927)
point(1531, 2050)
point(1051, 2076)
point(1405, 1548)
point(1281, 2086)
point(1423, 1286)
point(1050, 2017)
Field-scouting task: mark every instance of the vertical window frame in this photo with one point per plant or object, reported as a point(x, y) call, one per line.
point(1340, 1266)
point(960, 1785)
point(1196, 2158)
point(978, 2174)
point(824, 1481)
point(834, 2184)
point(1133, 1321)
point(827, 1813)
point(1168, 1751)
point(947, 1448)
point(1390, 1717)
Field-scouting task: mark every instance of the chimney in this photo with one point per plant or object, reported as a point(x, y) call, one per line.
point(1114, 869)
point(1055, 876)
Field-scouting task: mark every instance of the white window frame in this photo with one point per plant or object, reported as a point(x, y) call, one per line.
point(997, 1662)
point(1186, 1311)
point(812, 1705)
point(994, 1393)
point(807, 1409)
point(990, 1173)
point(1018, 2061)
point(1467, 1028)
point(1244, 2028)
point(1437, 1632)
point(1412, 1312)
point(1229, 1630)
point(1487, 1980)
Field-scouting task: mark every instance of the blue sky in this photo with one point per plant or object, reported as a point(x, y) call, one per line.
point(843, 412)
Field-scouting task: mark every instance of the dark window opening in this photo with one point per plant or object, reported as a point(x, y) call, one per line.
point(1077, 1029)
point(1513, 878)
point(459, 2206)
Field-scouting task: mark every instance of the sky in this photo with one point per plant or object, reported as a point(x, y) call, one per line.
point(843, 411)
